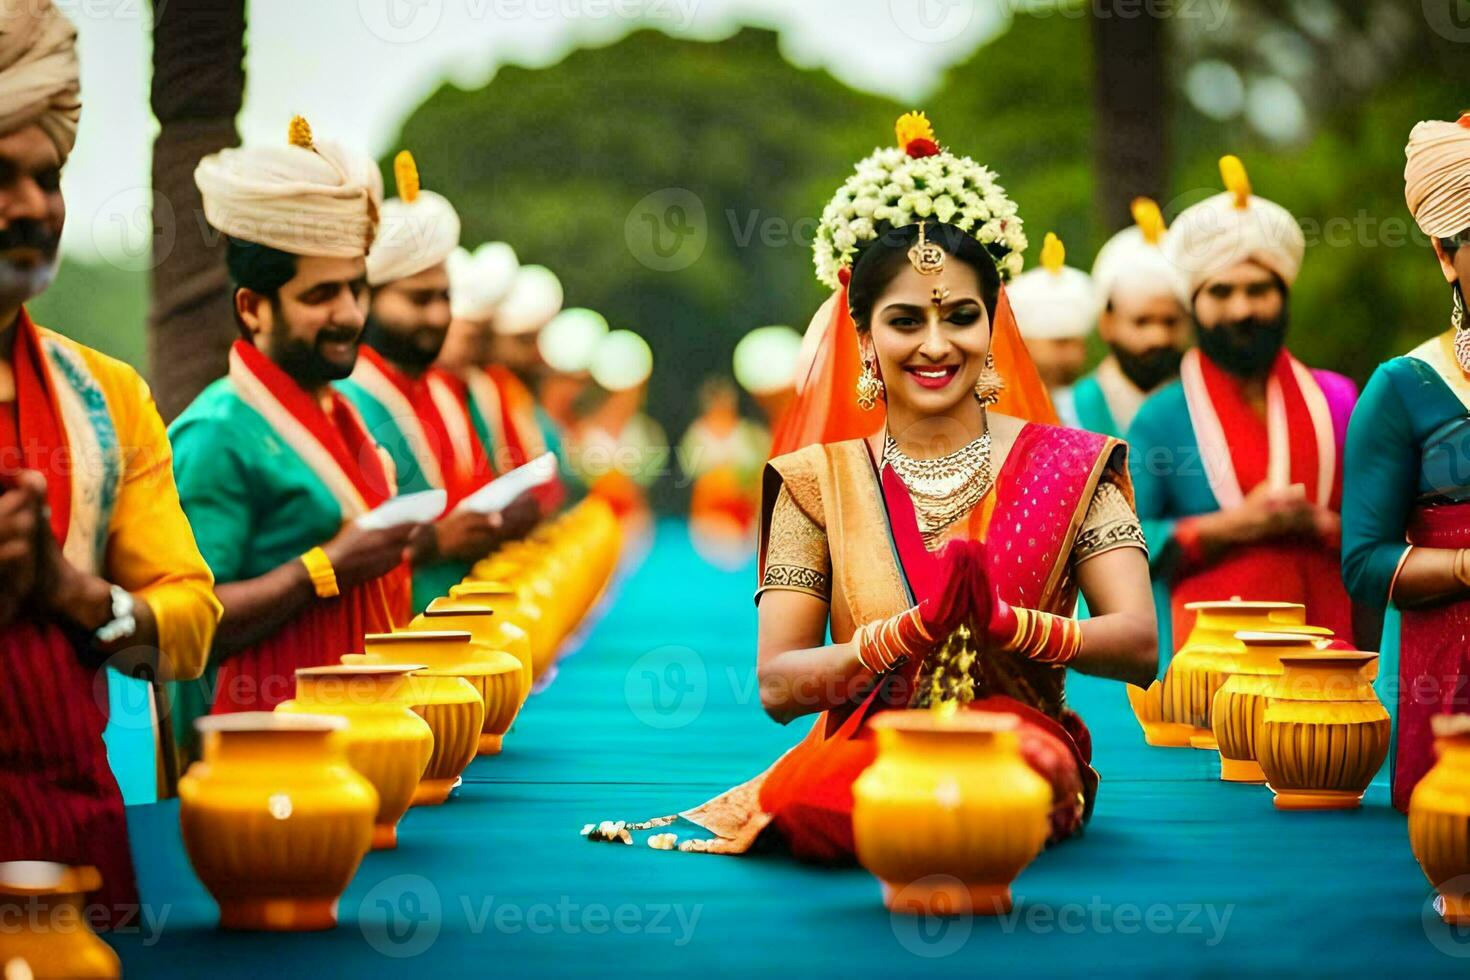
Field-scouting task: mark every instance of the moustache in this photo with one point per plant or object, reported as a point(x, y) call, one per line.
point(29, 234)
point(337, 335)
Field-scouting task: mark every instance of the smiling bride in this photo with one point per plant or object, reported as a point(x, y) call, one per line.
point(926, 508)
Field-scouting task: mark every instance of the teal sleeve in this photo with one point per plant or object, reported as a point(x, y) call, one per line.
point(215, 491)
point(1150, 464)
point(1379, 485)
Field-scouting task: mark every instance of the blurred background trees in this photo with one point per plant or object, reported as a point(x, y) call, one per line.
point(673, 184)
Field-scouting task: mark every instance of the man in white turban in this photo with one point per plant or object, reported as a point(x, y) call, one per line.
point(274, 466)
point(1142, 316)
point(502, 406)
point(1406, 505)
point(97, 563)
point(1055, 313)
point(421, 413)
point(1237, 469)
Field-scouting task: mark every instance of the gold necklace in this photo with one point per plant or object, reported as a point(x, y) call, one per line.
point(943, 489)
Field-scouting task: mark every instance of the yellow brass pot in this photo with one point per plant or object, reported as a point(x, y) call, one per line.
point(494, 674)
point(386, 741)
point(1325, 733)
point(43, 923)
point(1200, 667)
point(455, 712)
point(517, 606)
point(275, 820)
point(485, 624)
point(1240, 703)
point(1148, 709)
point(1439, 819)
point(949, 813)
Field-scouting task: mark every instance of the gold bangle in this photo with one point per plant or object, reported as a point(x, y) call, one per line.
point(323, 575)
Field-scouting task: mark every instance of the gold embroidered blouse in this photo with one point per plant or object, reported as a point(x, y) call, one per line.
point(797, 557)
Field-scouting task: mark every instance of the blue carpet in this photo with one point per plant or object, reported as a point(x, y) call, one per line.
point(1177, 875)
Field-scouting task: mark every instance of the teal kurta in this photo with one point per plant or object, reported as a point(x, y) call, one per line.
point(1092, 408)
point(433, 580)
point(1168, 483)
point(253, 503)
point(1404, 406)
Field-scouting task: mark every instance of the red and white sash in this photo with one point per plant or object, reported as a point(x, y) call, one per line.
point(376, 377)
point(337, 448)
point(1297, 439)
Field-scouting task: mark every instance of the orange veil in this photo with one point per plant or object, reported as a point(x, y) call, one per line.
point(826, 410)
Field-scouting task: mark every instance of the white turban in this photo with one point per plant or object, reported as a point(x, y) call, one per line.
point(479, 280)
point(39, 74)
point(765, 360)
point(622, 360)
point(1053, 303)
point(412, 236)
point(1223, 231)
point(1129, 265)
point(534, 298)
point(320, 201)
point(1437, 176)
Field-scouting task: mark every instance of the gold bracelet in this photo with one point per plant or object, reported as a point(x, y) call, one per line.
point(323, 575)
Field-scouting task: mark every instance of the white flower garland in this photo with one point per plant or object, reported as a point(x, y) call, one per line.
point(889, 185)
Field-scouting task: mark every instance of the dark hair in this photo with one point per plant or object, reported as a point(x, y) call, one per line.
point(259, 268)
point(1454, 243)
point(880, 260)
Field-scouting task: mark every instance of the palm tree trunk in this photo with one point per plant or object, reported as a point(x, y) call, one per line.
point(198, 86)
point(1132, 113)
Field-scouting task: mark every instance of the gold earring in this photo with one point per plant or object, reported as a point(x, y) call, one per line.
point(869, 387)
point(990, 383)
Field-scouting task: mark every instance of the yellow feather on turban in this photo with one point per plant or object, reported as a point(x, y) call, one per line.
point(320, 199)
point(1437, 176)
point(1223, 231)
point(1053, 301)
point(39, 74)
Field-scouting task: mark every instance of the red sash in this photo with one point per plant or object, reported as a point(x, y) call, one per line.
point(468, 463)
point(809, 790)
point(520, 431)
point(1434, 661)
point(58, 798)
point(1295, 443)
point(334, 442)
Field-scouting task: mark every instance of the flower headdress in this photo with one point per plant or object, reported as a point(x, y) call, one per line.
point(914, 180)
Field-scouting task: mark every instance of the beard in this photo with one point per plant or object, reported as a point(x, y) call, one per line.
point(304, 360)
point(1245, 348)
point(1150, 368)
point(20, 281)
point(412, 349)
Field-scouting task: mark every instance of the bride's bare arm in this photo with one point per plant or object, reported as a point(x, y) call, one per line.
point(1121, 639)
point(798, 673)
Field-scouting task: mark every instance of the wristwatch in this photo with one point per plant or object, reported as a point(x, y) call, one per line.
point(122, 623)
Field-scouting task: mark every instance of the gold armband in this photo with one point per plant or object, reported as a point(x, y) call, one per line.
point(323, 575)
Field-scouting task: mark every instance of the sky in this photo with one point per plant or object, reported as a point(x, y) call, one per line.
point(357, 68)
